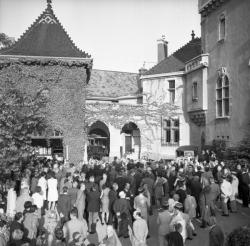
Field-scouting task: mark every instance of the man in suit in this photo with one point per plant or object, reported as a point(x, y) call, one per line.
point(93, 207)
point(163, 220)
point(245, 183)
point(213, 195)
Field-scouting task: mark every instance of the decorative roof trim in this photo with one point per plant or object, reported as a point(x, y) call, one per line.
point(7, 60)
point(152, 76)
point(47, 57)
point(210, 6)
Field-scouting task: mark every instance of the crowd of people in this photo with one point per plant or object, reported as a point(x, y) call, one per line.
point(52, 203)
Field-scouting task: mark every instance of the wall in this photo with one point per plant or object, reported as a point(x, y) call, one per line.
point(201, 102)
point(199, 105)
point(65, 86)
point(157, 88)
point(234, 54)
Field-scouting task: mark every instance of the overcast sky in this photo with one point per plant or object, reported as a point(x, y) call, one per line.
point(119, 34)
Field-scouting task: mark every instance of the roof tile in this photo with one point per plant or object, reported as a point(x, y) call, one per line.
point(112, 84)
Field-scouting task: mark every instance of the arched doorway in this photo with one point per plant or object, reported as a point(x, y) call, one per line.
point(131, 140)
point(98, 140)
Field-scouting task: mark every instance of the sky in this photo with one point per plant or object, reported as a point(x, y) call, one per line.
point(120, 35)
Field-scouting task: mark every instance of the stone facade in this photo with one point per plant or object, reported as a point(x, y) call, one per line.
point(225, 28)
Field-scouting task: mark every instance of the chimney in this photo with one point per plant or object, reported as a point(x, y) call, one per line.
point(162, 46)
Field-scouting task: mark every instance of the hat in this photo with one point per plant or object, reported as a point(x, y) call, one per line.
point(165, 203)
point(141, 189)
point(178, 205)
point(122, 194)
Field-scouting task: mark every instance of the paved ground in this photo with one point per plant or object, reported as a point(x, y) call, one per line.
point(227, 223)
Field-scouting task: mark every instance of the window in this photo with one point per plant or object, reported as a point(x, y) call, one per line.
point(195, 91)
point(222, 27)
point(171, 91)
point(171, 132)
point(222, 96)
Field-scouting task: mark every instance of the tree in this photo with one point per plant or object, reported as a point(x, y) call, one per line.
point(6, 41)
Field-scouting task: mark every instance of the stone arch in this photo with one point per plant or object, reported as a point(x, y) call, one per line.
point(98, 140)
point(131, 139)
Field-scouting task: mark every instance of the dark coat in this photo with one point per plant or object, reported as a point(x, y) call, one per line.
point(73, 195)
point(94, 202)
point(64, 205)
point(174, 239)
point(121, 205)
point(121, 181)
point(216, 236)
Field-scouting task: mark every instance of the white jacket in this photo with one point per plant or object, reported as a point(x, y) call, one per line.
point(235, 184)
point(226, 189)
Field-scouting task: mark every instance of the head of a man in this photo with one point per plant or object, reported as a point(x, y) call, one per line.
point(73, 213)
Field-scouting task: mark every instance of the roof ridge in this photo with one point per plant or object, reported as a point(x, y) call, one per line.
point(97, 69)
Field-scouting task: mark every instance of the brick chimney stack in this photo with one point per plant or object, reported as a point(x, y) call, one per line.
point(162, 46)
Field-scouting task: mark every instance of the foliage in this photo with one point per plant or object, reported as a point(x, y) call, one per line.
point(20, 115)
point(61, 84)
point(147, 116)
point(5, 41)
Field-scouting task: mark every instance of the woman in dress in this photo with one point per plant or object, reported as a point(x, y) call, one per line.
point(80, 201)
point(105, 203)
point(52, 191)
point(42, 182)
point(142, 203)
point(11, 201)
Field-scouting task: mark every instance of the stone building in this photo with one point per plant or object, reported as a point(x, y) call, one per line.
point(45, 60)
point(218, 85)
point(167, 81)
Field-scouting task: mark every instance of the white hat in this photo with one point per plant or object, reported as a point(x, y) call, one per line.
point(122, 194)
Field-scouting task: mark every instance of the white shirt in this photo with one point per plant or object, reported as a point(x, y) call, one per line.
point(38, 200)
point(226, 188)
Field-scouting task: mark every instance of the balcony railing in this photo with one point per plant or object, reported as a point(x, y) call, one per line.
point(197, 62)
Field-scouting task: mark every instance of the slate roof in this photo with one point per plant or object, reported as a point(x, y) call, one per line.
point(112, 84)
point(176, 61)
point(45, 37)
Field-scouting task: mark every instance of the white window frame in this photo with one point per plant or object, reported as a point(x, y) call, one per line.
point(224, 99)
point(171, 90)
point(172, 128)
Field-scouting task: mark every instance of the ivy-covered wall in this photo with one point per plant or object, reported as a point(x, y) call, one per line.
point(63, 83)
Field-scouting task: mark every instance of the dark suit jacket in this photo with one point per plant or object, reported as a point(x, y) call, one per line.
point(64, 205)
point(216, 236)
point(93, 198)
